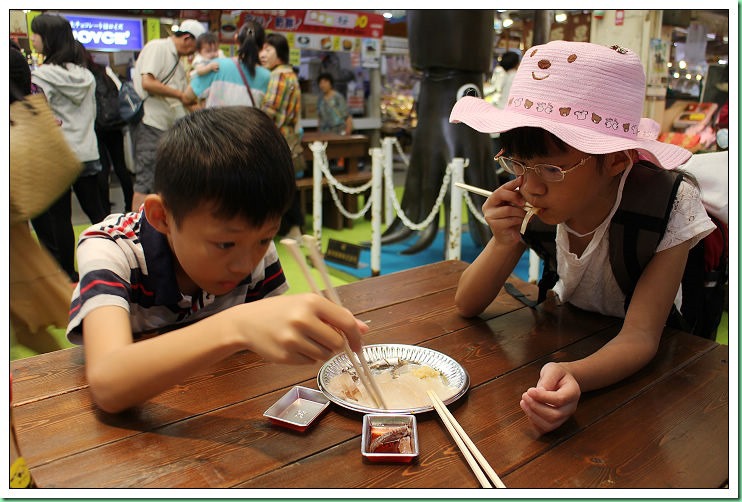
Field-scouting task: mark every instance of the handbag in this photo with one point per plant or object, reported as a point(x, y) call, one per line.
point(131, 105)
point(244, 79)
point(42, 165)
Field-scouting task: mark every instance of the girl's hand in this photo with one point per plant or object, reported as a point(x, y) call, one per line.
point(503, 211)
point(553, 400)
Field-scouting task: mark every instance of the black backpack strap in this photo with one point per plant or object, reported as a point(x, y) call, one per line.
point(541, 239)
point(640, 222)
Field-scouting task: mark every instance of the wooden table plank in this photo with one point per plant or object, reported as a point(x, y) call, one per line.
point(669, 426)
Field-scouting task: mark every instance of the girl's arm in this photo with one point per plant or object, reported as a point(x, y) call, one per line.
point(636, 343)
point(482, 280)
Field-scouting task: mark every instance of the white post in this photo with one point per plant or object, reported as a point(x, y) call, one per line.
point(388, 144)
point(318, 149)
point(377, 175)
point(453, 250)
point(534, 264)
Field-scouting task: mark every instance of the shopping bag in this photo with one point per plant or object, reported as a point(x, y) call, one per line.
point(42, 165)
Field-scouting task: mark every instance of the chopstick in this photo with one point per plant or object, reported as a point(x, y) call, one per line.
point(467, 447)
point(360, 365)
point(472, 188)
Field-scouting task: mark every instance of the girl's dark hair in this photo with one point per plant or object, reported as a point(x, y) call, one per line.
point(281, 45)
point(59, 43)
point(231, 160)
point(251, 38)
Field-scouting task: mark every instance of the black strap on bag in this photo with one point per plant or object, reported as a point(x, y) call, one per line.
point(171, 72)
point(244, 79)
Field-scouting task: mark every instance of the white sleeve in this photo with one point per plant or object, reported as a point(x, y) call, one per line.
point(688, 219)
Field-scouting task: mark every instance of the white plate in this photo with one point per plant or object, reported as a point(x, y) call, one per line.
point(455, 373)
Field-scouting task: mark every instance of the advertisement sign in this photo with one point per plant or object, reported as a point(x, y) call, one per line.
point(107, 33)
point(322, 29)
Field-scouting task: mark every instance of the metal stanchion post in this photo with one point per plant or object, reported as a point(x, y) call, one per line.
point(388, 154)
point(376, 190)
point(453, 249)
point(318, 149)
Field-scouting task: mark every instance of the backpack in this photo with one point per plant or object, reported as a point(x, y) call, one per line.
point(107, 103)
point(635, 230)
point(131, 105)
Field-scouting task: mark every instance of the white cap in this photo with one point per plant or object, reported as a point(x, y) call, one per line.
point(191, 26)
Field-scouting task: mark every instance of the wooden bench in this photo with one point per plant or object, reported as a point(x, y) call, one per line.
point(331, 216)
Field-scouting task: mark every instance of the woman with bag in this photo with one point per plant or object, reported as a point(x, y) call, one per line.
point(70, 89)
point(237, 81)
point(283, 104)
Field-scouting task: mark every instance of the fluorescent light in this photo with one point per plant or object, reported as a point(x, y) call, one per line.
point(507, 23)
point(387, 15)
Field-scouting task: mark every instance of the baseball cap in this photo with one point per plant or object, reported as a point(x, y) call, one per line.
point(191, 26)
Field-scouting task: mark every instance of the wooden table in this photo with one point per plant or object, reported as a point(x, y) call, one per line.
point(664, 427)
point(352, 147)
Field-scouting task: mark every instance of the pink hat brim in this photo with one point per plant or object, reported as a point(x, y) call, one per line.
point(483, 117)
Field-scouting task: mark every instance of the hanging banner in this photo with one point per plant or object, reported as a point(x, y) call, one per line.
point(321, 29)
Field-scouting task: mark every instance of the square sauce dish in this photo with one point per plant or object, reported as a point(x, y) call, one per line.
point(389, 438)
point(298, 408)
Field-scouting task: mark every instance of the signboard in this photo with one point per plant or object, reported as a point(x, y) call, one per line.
point(107, 33)
point(343, 253)
point(325, 29)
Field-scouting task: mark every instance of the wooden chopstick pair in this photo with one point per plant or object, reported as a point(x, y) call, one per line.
point(473, 189)
point(473, 457)
point(356, 358)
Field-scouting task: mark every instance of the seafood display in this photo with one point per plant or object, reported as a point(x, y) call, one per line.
point(404, 384)
point(391, 440)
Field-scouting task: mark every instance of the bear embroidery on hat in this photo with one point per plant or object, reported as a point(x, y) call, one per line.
point(544, 107)
point(528, 104)
point(611, 123)
point(564, 111)
point(626, 127)
point(596, 118)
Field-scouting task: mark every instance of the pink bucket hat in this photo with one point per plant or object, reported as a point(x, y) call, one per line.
point(589, 96)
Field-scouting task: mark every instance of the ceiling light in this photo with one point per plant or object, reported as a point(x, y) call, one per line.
point(387, 15)
point(561, 17)
point(507, 23)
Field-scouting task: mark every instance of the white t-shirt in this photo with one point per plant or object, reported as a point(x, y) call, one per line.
point(587, 282)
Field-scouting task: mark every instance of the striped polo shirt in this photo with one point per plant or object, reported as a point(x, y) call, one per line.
point(124, 261)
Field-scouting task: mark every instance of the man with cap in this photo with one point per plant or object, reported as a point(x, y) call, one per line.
point(161, 80)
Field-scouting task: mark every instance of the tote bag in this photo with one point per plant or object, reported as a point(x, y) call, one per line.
point(42, 165)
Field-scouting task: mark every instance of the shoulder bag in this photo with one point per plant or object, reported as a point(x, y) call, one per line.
point(244, 79)
point(42, 165)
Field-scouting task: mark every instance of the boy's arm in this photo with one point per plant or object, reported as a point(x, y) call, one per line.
point(284, 329)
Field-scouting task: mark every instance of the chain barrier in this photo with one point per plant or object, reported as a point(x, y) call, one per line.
point(474, 210)
point(389, 186)
point(335, 185)
point(401, 153)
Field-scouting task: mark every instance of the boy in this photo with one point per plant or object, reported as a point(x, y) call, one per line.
point(194, 277)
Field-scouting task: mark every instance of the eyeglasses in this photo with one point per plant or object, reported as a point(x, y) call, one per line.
point(547, 172)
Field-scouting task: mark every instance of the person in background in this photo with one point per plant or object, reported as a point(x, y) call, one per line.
point(283, 105)
point(194, 276)
point(207, 50)
point(161, 81)
point(573, 153)
point(509, 62)
point(332, 110)
point(109, 132)
point(70, 90)
point(226, 86)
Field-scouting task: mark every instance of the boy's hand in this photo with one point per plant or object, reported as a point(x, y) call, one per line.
point(503, 211)
point(553, 400)
point(297, 329)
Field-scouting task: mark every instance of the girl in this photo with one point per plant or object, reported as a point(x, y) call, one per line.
point(70, 90)
point(571, 133)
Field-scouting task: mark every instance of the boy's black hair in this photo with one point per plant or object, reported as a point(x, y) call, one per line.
point(207, 38)
point(59, 42)
point(281, 45)
point(529, 142)
point(232, 160)
point(328, 77)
